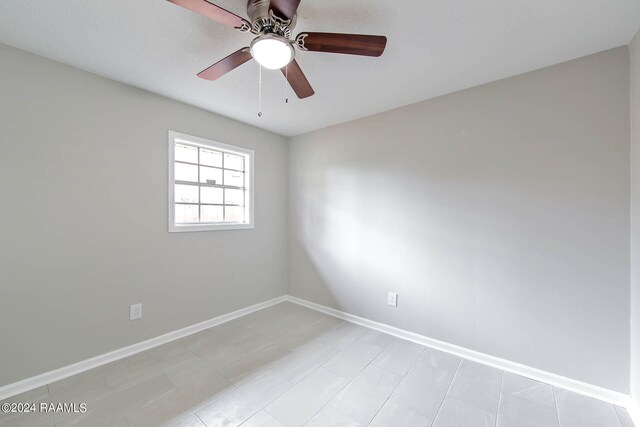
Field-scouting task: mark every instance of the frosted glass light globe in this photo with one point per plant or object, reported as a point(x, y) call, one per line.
point(271, 51)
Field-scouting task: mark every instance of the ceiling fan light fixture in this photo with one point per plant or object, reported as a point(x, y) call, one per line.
point(272, 51)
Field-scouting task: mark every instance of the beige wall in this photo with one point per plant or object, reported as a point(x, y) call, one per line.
point(635, 221)
point(500, 214)
point(83, 218)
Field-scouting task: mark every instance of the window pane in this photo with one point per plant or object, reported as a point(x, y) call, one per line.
point(233, 178)
point(211, 195)
point(234, 197)
point(211, 213)
point(210, 158)
point(232, 161)
point(210, 175)
point(234, 214)
point(186, 213)
point(186, 172)
point(186, 153)
point(186, 193)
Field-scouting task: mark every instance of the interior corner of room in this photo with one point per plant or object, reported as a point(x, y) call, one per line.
point(495, 223)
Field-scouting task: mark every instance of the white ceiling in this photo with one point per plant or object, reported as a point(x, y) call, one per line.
point(435, 47)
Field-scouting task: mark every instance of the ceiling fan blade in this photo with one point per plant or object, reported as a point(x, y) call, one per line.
point(225, 65)
point(350, 44)
point(214, 12)
point(284, 8)
point(297, 80)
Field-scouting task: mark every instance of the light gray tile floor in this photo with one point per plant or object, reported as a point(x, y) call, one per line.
point(290, 366)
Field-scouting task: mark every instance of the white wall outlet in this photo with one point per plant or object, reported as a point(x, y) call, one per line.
point(135, 311)
point(392, 299)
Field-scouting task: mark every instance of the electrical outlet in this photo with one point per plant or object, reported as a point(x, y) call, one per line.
point(135, 311)
point(392, 299)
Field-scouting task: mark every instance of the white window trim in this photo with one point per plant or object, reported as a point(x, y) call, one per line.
point(249, 180)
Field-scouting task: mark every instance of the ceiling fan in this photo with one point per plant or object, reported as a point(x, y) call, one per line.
point(272, 21)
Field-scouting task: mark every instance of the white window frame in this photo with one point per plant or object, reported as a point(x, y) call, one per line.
point(177, 137)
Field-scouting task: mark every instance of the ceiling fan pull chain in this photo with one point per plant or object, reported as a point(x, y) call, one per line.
point(259, 90)
point(286, 84)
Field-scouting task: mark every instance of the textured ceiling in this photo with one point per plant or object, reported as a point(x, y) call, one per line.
point(435, 47)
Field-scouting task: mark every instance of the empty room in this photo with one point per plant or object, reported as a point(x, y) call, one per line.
point(320, 213)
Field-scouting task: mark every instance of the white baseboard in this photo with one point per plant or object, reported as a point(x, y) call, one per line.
point(560, 381)
point(67, 371)
point(580, 387)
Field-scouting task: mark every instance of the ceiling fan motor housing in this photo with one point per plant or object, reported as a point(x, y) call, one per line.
point(264, 21)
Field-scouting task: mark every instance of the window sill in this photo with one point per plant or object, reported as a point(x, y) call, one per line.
point(208, 227)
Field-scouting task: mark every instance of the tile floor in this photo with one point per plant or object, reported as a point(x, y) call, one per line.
point(291, 366)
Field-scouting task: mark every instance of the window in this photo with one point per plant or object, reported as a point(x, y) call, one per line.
point(210, 185)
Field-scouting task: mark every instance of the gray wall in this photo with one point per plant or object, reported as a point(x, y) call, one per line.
point(635, 220)
point(500, 214)
point(83, 218)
